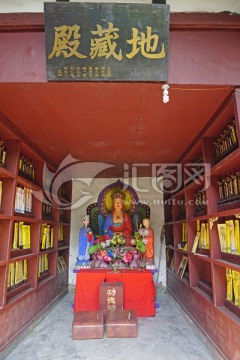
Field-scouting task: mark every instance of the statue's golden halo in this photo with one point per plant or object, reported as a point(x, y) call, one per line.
point(107, 201)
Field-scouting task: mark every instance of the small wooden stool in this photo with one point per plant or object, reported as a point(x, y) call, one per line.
point(121, 323)
point(88, 325)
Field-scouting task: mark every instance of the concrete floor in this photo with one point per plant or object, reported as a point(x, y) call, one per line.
point(170, 335)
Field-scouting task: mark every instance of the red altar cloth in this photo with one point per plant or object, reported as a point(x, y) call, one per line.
point(138, 291)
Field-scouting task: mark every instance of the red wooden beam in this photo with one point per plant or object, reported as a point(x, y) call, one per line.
point(21, 21)
point(204, 21)
point(178, 21)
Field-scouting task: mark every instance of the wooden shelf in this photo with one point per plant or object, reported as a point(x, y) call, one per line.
point(50, 221)
point(206, 288)
point(228, 208)
point(183, 280)
point(18, 291)
point(177, 194)
point(204, 252)
point(4, 217)
point(62, 247)
point(201, 256)
point(226, 264)
point(3, 262)
point(64, 223)
point(169, 223)
point(195, 184)
point(22, 217)
point(47, 251)
point(48, 287)
point(42, 278)
point(204, 292)
point(180, 221)
point(23, 257)
point(200, 218)
point(27, 183)
point(232, 307)
point(19, 253)
point(232, 258)
point(227, 164)
point(180, 251)
point(5, 173)
point(224, 213)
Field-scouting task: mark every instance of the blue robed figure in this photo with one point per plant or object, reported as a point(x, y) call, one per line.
point(86, 239)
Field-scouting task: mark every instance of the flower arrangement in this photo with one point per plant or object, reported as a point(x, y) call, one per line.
point(107, 255)
point(140, 240)
point(101, 242)
point(128, 256)
point(117, 240)
point(114, 252)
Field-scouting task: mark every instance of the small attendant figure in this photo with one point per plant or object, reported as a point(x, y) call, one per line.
point(86, 239)
point(150, 242)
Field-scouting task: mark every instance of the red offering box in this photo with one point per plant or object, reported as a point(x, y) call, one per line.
point(110, 296)
point(88, 325)
point(121, 323)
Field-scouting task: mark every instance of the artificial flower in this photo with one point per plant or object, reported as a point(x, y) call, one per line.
point(144, 232)
point(108, 242)
point(128, 256)
point(112, 250)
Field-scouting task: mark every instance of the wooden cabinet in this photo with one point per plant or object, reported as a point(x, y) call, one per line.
point(29, 231)
point(197, 210)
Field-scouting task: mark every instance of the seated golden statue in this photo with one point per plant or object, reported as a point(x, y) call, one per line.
point(114, 220)
point(118, 222)
point(117, 210)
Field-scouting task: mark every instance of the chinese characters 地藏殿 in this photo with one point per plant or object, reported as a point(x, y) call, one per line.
point(67, 43)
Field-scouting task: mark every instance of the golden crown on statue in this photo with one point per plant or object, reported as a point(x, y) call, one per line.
point(118, 195)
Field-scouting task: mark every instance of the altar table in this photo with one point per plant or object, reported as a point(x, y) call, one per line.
point(138, 292)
